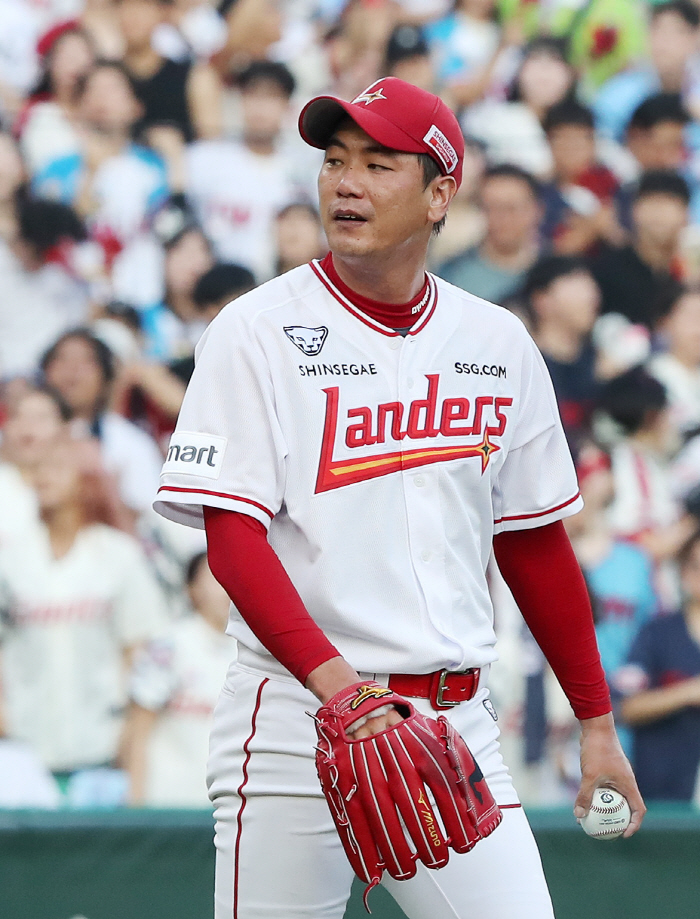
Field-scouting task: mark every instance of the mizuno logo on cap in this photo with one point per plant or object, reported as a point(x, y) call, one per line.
point(437, 141)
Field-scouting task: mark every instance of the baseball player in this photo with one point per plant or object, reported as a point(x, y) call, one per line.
point(356, 438)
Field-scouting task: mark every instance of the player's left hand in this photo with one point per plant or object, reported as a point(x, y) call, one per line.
point(603, 763)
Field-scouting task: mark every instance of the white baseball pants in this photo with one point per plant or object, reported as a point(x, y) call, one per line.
point(278, 855)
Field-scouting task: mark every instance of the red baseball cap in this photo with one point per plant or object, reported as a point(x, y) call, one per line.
point(398, 116)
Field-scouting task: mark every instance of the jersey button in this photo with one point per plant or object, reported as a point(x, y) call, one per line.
point(419, 481)
point(426, 556)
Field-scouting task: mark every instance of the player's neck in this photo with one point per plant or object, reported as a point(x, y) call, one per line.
point(380, 280)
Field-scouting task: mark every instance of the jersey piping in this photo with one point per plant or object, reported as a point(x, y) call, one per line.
point(216, 494)
point(239, 819)
point(428, 310)
point(550, 510)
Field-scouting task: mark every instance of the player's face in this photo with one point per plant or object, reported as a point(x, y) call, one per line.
point(372, 200)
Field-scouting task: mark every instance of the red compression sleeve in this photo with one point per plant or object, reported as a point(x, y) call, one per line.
point(246, 566)
point(544, 576)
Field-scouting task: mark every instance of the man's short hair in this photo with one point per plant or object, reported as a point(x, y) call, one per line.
point(405, 42)
point(43, 224)
point(267, 72)
point(549, 269)
point(632, 397)
point(511, 171)
point(568, 112)
point(224, 281)
point(686, 9)
point(658, 109)
point(105, 64)
point(663, 182)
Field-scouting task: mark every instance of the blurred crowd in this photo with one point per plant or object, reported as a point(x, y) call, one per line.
point(151, 172)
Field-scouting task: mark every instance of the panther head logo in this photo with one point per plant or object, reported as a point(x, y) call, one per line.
point(309, 341)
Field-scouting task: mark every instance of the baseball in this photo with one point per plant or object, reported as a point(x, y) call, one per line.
point(609, 815)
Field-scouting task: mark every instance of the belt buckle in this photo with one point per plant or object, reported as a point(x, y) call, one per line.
point(439, 700)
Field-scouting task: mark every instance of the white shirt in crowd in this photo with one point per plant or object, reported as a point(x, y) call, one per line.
point(683, 388)
point(18, 503)
point(66, 624)
point(36, 307)
point(132, 456)
point(236, 194)
point(181, 677)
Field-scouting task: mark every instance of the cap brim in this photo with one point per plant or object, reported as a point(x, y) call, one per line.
point(320, 118)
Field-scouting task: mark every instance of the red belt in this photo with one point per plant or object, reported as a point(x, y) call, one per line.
point(444, 688)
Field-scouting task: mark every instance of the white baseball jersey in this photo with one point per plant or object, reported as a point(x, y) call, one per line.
point(67, 622)
point(180, 676)
point(381, 464)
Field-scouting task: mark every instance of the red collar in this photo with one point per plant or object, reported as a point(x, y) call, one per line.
point(391, 315)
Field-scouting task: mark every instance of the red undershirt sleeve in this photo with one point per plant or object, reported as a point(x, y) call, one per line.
point(546, 581)
point(247, 567)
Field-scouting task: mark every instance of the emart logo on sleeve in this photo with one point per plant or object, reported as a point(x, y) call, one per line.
point(195, 454)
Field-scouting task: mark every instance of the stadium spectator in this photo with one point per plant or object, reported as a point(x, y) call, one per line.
point(299, 236)
point(172, 328)
point(644, 509)
point(114, 184)
point(253, 26)
point(151, 392)
point(656, 140)
point(19, 61)
point(633, 277)
point(47, 125)
point(496, 267)
point(42, 292)
point(512, 130)
point(619, 574)
point(465, 226)
point(661, 685)
point(178, 93)
point(407, 57)
point(80, 599)
point(37, 418)
point(174, 685)
point(467, 46)
point(563, 300)
point(12, 180)
point(678, 365)
point(82, 369)
point(673, 66)
point(237, 186)
point(579, 206)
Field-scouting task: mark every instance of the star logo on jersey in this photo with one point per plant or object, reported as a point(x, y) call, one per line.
point(308, 341)
point(368, 97)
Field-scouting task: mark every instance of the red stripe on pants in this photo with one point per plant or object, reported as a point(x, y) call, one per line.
point(239, 819)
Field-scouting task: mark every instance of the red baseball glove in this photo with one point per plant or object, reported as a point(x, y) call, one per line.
point(409, 792)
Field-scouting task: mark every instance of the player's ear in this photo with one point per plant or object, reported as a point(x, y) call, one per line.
point(442, 190)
